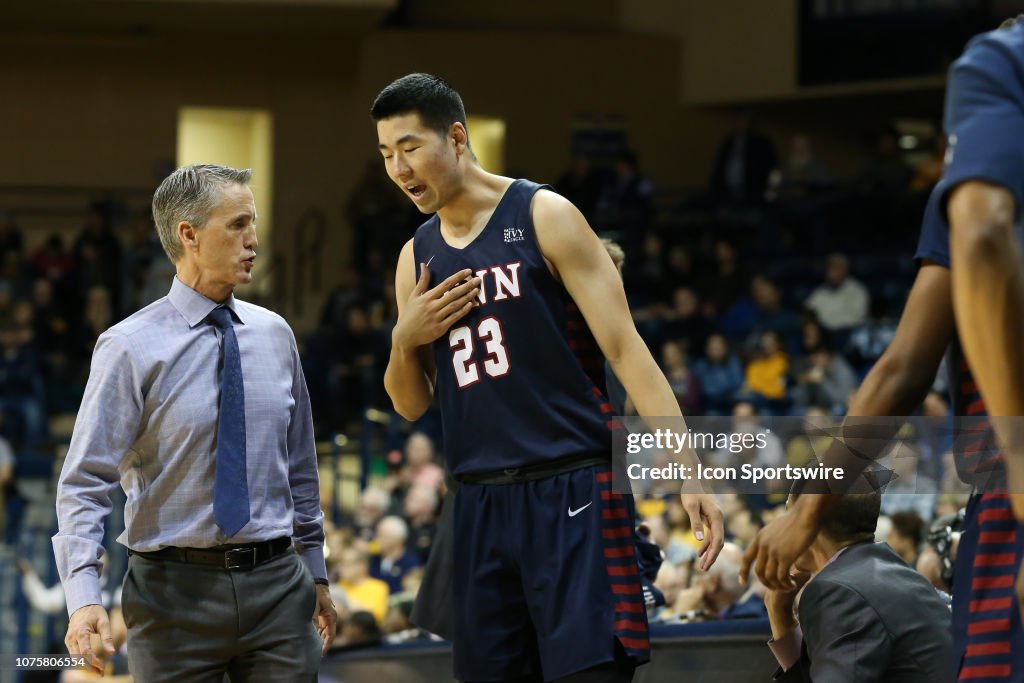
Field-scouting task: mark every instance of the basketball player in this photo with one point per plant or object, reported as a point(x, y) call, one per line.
point(987, 634)
point(507, 300)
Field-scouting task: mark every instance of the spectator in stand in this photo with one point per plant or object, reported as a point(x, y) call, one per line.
point(745, 420)
point(827, 381)
point(887, 173)
point(378, 215)
point(760, 312)
point(20, 386)
point(97, 253)
point(581, 184)
point(52, 261)
point(645, 282)
point(718, 592)
point(842, 302)
point(685, 385)
point(744, 160)
point(728, 281)
point(356, 368)
point(910, 488)
point(680, 271)
point(11, 239)
point(361, 629)
point(627, 202)
point(394, 560)
point(142, 253)
point(685, 322)
point(815, 439)
point(907, 535)
point(361, 591)
point(720, 375)
point(421, 468)
point(420, 510)
point(771, 316)
point(767, 374)
point(96, 318)
point(348, 292)
point(743, 525)
point(62, 369)
point(374, 503)
point(800, 194)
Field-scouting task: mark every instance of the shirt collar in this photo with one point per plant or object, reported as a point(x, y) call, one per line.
point(193, 306)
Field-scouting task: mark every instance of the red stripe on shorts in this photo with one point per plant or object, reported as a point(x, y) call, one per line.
point(990, 604)
point(995, 560)
point(1001, 647)
point(990, 626)
point(988, 582)
point(992, 670)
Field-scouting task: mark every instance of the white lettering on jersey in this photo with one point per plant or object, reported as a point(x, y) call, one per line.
point(506, 285)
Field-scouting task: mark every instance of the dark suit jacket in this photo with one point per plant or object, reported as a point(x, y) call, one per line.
point(869, 617)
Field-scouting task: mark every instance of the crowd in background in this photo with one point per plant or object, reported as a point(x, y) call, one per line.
point(770, 294)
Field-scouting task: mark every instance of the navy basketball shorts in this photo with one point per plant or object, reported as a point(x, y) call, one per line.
point(545, 577)
point(988, 644)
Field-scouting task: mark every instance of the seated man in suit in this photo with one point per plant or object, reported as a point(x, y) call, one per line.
point(864, 615)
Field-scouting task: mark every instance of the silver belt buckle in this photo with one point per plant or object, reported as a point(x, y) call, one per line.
point(241, 554)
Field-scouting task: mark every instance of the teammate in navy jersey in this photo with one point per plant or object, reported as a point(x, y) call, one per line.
point(987, 635)
point(507, 300)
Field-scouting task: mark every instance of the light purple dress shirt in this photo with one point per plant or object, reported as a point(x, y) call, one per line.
point(149, 420)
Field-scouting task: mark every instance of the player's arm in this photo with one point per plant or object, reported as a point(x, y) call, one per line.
point(896, 385)
point(988, 295)
point(986, 176)
point(424, 314)
point(590, 277)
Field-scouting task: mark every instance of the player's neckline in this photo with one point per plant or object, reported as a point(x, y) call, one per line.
point(483, 231)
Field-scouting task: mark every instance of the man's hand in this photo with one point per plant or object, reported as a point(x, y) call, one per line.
point(325, 617)
point(87, 622)
point(778, 545)
point(779, 605)
point(429, 313)
point(702, 507)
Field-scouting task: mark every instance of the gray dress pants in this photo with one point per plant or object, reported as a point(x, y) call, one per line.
point(190, 623)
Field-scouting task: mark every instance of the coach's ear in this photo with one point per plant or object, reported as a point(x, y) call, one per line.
point(187, 235)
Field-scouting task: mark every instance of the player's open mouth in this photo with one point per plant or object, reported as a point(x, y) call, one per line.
point(416, 190)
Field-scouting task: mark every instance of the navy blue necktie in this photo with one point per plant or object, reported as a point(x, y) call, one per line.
point(231, 488)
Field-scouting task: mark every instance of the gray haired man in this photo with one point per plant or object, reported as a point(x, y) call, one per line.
point(198, 406)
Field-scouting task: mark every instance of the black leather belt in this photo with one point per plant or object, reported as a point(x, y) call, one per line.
point(541, 470)
point(242, 556)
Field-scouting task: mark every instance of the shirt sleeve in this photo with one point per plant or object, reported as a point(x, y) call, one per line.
point(933, 244)
point(304, 477)
point(787, 648)
point(985, 115)
point(105, 429)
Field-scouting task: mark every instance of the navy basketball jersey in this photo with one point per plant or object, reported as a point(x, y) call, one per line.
point(520, 379)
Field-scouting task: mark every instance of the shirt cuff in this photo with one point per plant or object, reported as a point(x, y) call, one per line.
point(787, 648)
point(314, 559)
point(82, 590)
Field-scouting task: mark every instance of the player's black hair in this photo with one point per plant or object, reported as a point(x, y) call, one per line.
point(854, 517)
point(436, 102)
